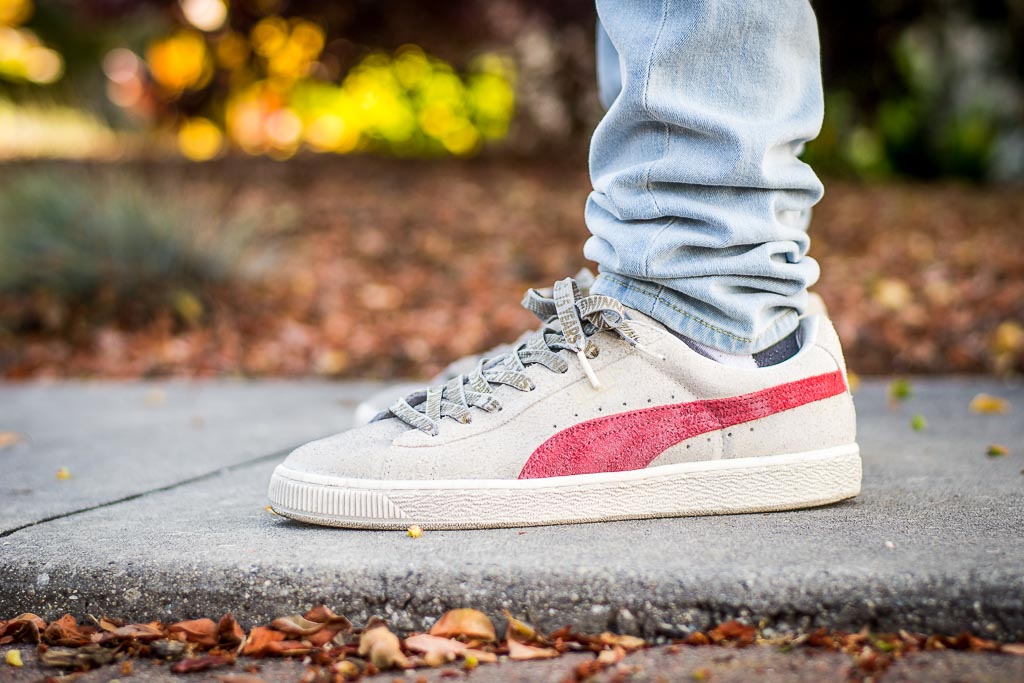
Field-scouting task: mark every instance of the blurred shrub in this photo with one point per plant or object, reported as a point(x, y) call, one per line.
point(74, 248)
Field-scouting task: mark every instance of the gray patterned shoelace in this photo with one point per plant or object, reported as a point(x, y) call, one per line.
point(570, 322)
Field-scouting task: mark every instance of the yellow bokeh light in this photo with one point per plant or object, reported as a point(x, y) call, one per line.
point(200, 139)
point(180, 62)
point(15, 12)
point(232, 51)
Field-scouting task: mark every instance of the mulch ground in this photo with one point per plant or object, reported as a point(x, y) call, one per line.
point(396, 268)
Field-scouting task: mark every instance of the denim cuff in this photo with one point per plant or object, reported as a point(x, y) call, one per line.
point(680, 314)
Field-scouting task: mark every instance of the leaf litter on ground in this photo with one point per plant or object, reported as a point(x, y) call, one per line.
point(332, 648)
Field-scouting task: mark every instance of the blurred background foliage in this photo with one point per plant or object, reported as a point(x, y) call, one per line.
point(918, 88)
point(440, 147)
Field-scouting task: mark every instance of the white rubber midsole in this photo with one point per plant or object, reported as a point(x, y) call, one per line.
point(757, 484)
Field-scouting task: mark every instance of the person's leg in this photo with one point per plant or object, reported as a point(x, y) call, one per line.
point(609, 68)
point(700, 204)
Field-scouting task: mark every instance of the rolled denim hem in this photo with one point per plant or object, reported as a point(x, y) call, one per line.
point(672, 310)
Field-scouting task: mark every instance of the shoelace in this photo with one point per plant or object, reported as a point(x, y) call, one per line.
point(570, 322)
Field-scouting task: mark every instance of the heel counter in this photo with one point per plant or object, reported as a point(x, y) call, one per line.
point(828, 339)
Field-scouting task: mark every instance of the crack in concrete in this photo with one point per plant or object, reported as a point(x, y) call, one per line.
point(142, 494)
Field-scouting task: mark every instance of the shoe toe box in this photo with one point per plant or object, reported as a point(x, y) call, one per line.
point(360, 453)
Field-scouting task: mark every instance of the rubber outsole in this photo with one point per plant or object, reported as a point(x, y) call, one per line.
point(716, 487)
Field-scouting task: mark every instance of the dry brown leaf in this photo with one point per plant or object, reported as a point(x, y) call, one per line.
point(142, 632)
point(289, 648)
point(229, 632)
point(66, 632)
point(733, 632)
point(24, 627)
point(468, 623)
point(202, 632)
point(519, 630)
point(259, 641)
point(296, 625)
point(628, 643)
point(84, 657)
point(324, 615)
point(522, 652)
point(381, 646)
point(425, 643)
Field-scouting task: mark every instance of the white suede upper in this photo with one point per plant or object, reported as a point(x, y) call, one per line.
point(497, 445)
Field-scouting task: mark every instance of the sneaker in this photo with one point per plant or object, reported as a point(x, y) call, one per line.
point(602, 414)
point(379, 402)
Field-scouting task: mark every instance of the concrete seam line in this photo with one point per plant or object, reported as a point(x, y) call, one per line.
point(192, 480)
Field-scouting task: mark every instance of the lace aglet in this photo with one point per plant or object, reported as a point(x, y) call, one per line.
point(588, 370)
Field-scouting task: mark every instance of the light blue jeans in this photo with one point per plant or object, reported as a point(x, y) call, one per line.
point(700, 205)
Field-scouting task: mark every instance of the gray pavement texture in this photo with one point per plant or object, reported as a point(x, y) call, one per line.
point(934, 543)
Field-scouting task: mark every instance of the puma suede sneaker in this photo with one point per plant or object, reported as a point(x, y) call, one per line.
point(601, 414)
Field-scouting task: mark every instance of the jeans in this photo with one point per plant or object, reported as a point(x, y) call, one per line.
point(700, 206)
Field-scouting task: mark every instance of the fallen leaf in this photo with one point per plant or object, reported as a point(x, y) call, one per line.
point(629, 643)
point(986, 404)
point(167, 649)
point(9, 439)
point(1008, 337)
point(296, 625)
point(899, 390)
point(519, 630)
point(613, 656)
point(63, 474)
point(259, 641)
point(141, 632)
point(996, 451)
point(1013, 649)
point(289, 648)
point(697, 638)
point(13, 658)
point(77, 658)
point(333, 624)
point(522, 652)
point(381, 646)
point(202, 632)
point(469, 623)
point(425, 643)
point(24, 627)
point(701, 674)
point(204, 663)
point(414, 531)
point(229, 632)
point(733, 632)
point(918, 423)
point(66, 631)
point(892, 293)
point(324, 615)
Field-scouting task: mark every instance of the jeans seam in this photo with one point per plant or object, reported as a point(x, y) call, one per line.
point(659, 299)
point(646, 105)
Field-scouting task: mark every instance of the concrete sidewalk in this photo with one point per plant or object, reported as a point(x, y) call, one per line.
point(163, 518)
